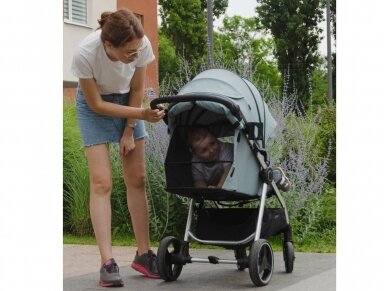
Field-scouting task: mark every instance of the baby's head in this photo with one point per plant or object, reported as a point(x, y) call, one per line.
point(203, 143)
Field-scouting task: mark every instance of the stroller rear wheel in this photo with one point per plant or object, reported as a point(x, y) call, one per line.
point(168, 269)
point(261, 262)
point(288, 256)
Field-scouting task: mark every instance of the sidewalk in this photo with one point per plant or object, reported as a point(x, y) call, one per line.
point(81, 264)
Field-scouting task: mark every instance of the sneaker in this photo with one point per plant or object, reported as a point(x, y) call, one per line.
point(281, 179)
point(109, 274)
point(146, 264)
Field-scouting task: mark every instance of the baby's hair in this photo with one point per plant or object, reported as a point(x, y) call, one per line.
point(120, 27)
point(196, 133)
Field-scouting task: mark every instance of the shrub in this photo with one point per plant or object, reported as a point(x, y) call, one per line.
point(75, 177)
point(167, 212)
point(326, 137)
point(300, 149)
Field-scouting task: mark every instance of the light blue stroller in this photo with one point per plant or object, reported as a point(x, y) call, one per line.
point(234, 110)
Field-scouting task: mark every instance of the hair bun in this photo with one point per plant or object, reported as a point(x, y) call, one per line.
point(104, 17)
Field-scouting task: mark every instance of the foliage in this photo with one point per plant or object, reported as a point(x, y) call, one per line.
point(333, 17)
point(327, 137)
point(168, 60)
point(303, 149)
point(219, 6)
point(318, 90)
point(75, 177)
point(239, 47)
point(184, 22)
point(294, 27)
point(333, 20)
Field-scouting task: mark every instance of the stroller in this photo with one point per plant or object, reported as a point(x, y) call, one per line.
point(233, 109)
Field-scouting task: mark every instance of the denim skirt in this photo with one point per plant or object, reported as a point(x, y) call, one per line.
point(101, 129)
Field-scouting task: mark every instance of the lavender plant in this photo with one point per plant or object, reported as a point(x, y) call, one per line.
point(295, 150)
point(167, 212)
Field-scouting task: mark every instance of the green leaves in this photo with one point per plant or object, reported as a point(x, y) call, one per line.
point(294, 26)
point(184, 22)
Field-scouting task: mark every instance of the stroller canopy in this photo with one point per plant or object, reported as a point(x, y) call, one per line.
point(225, 84)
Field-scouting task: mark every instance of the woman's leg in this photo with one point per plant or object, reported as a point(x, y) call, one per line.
point(100, 177)
point(134, 177)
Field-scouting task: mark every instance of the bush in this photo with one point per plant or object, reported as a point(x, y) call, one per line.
point(326, 138)
point(302, 147)
point(75, 177)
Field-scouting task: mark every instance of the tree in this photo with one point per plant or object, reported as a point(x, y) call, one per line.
point(239, 47)
point(168, 60)
point(184, 22)
point(294, 26)
point(333, 20)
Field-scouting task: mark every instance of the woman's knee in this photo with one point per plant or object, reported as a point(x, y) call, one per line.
point(101, 186)
point(137, 180)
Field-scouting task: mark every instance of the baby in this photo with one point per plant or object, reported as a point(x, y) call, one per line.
point(212, 160)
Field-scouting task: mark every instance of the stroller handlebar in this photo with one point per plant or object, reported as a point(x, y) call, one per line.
point(233, 107)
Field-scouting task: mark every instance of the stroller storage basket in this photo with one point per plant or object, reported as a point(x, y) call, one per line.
point(235, 224)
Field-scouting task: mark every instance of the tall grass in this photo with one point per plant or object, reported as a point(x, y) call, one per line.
point(75, 177)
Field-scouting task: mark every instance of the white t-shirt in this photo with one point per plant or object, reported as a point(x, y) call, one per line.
point(90, 61)
point(212, 172)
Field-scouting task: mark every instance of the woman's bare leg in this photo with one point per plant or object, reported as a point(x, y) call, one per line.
point(134, 177)
point(100, 193)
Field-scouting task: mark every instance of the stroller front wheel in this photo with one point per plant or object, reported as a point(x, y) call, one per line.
point(241, 255)
point(288, 256)
point(168, 269)
point(261, 262)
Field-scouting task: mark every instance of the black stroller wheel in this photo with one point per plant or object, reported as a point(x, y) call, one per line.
point(168, 270)
point(241, 254)
point(261, 262)
point(288, 256)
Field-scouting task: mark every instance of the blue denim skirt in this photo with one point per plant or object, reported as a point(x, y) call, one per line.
point(99, 129)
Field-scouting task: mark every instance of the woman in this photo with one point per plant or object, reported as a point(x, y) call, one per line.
point(111, 66)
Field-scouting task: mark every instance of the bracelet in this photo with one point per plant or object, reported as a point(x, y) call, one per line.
point(131, 125)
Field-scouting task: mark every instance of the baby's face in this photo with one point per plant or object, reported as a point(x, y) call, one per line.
point(207, 149)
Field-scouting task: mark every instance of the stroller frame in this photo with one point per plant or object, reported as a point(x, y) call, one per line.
point(260, 259)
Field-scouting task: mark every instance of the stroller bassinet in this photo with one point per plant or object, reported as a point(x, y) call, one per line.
point(233, 109)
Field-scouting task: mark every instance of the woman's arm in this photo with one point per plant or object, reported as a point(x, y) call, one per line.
point(97, 104)
point(137, 90)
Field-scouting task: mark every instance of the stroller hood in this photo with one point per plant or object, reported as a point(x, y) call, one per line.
point(225, 84)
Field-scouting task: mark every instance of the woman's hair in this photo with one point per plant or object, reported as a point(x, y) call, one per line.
point(120, 27)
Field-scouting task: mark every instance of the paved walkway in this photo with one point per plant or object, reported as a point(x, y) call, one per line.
point(312, 272)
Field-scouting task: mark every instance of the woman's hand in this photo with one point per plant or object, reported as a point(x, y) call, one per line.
point(152, 115)
point(127, 143)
